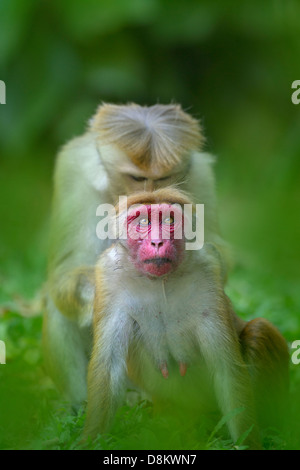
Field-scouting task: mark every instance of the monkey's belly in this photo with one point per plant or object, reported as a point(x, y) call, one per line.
point(190, 393)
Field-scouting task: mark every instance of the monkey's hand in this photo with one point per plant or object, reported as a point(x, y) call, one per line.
point(73, 293)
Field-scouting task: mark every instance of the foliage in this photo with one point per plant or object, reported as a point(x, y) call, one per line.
point(231, 64)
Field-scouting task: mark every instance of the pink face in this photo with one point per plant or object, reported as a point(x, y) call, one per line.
point(155, 238)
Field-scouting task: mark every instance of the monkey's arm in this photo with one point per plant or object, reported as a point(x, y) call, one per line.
point(107, 372)
point(73, 293)
point(232, 382)
point(201, 169)
point(79, 187)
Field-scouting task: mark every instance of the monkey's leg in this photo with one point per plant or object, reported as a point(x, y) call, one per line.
point(266, 354)
point(65, 356)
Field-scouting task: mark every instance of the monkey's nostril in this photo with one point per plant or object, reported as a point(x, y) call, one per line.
point(157, 243)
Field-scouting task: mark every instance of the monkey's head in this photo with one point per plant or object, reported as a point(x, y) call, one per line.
point(145, 148)
point(151, 241)
point(154, 225)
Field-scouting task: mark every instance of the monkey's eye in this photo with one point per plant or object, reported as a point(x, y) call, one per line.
point(168, 221)
point(144, 221)
point(138, 178)
point(164, 178)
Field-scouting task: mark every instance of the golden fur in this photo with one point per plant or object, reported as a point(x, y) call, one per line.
point(169, 195)
point(156, 136)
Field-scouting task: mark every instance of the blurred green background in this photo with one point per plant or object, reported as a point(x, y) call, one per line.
point(230, 64)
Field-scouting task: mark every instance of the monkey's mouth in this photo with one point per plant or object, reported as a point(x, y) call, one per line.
point(158, 261)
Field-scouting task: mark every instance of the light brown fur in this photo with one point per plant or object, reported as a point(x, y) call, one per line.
point(157, 197)
point(236, 361)
point(125, 150)
point(159, 136)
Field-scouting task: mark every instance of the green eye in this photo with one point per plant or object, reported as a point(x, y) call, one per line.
point(144, 221)
point(168, 221)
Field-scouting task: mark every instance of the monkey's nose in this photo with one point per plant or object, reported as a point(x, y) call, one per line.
point(157, 243)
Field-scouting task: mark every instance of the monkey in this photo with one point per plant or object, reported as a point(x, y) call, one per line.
point(163, 322)
point(126, 149)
